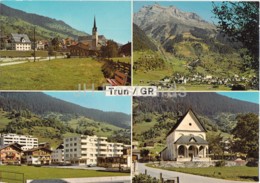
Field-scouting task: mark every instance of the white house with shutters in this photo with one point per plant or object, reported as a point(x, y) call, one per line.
point(186, 141)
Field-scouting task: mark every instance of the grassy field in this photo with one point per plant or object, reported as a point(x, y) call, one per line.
point(238, 173)
point(31, 172)
point(58, 74)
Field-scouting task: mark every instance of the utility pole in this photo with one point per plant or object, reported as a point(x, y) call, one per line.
point(34, 54)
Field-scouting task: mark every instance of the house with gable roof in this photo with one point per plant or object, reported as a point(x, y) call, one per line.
point(186, 141)
point(20, 42)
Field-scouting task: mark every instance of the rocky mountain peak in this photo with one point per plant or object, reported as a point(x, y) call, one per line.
point(161, 22)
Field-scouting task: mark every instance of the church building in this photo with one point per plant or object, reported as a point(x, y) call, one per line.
point(88, 45)
point(186, 141)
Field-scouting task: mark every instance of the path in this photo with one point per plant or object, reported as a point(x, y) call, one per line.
point(116, 179)
point(31, 60)
point(184, 177)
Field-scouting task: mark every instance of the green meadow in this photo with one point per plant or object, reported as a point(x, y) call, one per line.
point(31, 172)
point(57, 74)
point(238, 173)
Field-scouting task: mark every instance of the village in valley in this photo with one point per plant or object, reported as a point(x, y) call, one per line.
point(175, 46)
point(25, 149)
point(74, 143)
point(105, 60)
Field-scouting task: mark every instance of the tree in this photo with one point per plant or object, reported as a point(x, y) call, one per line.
point(55, 42)
point(240, 20)
point(246, 134)
point(214, 143)
point(110, 50)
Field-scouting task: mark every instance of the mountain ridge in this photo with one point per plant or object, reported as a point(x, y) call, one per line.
point(40, 103)
point(49, 26)
point(199, 102)
point(162, 22)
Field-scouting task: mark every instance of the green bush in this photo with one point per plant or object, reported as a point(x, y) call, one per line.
point(220, 163)
point(142, 178)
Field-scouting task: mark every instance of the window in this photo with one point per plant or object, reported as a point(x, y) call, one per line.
point(190, 124)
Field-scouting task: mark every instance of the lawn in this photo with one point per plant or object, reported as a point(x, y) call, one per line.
point(31, 172)
point(238, 173)
point(58, 74)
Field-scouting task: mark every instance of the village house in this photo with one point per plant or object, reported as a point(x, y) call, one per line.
point(135, 151)
point(81, 50)
point(125, 50)
point(10, 154)
point(186, 141)
point(20, 42)
point(37, 156)
point(57, 156)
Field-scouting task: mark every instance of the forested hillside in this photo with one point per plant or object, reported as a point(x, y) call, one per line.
point(42, 104)
point(207, 104)
point(153, 117)
point(141, 41)
point(53, 127)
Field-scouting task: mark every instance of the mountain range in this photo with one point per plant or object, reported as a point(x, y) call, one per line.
point(15, 21)
point(162, 23)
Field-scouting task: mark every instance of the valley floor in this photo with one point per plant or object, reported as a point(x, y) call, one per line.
point(145, 79)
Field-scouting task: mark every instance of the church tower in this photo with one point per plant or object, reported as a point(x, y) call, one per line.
point(94, 36)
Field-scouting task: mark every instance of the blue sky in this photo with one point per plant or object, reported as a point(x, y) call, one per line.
point(96, 100)
point(202, 8)
point(245, 96)
point(113, 18)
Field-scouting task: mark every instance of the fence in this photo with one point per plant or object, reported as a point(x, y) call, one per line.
point(11, 177)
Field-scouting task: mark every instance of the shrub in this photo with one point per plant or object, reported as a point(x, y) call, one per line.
point(220, 163)
point(142, 178)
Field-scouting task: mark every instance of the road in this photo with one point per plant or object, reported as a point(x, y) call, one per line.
point(31, 60)
point(184, 178)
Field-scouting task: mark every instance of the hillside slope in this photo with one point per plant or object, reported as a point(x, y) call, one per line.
point(141, 41)
point(43, 104)
point(206, 104)
point(14, 21)
point(153, 117)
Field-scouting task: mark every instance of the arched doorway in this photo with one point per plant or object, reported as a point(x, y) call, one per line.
point(181, 151)
point(192, 151)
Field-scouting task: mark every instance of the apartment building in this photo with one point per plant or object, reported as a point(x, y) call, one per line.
point(26, 141)
point(86, 149)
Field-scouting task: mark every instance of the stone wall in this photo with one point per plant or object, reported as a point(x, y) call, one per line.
point(197, 164)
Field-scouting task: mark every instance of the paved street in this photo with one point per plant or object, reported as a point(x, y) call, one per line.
point(184, 178)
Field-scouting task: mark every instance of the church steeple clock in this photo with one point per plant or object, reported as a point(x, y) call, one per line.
point(94, 35)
